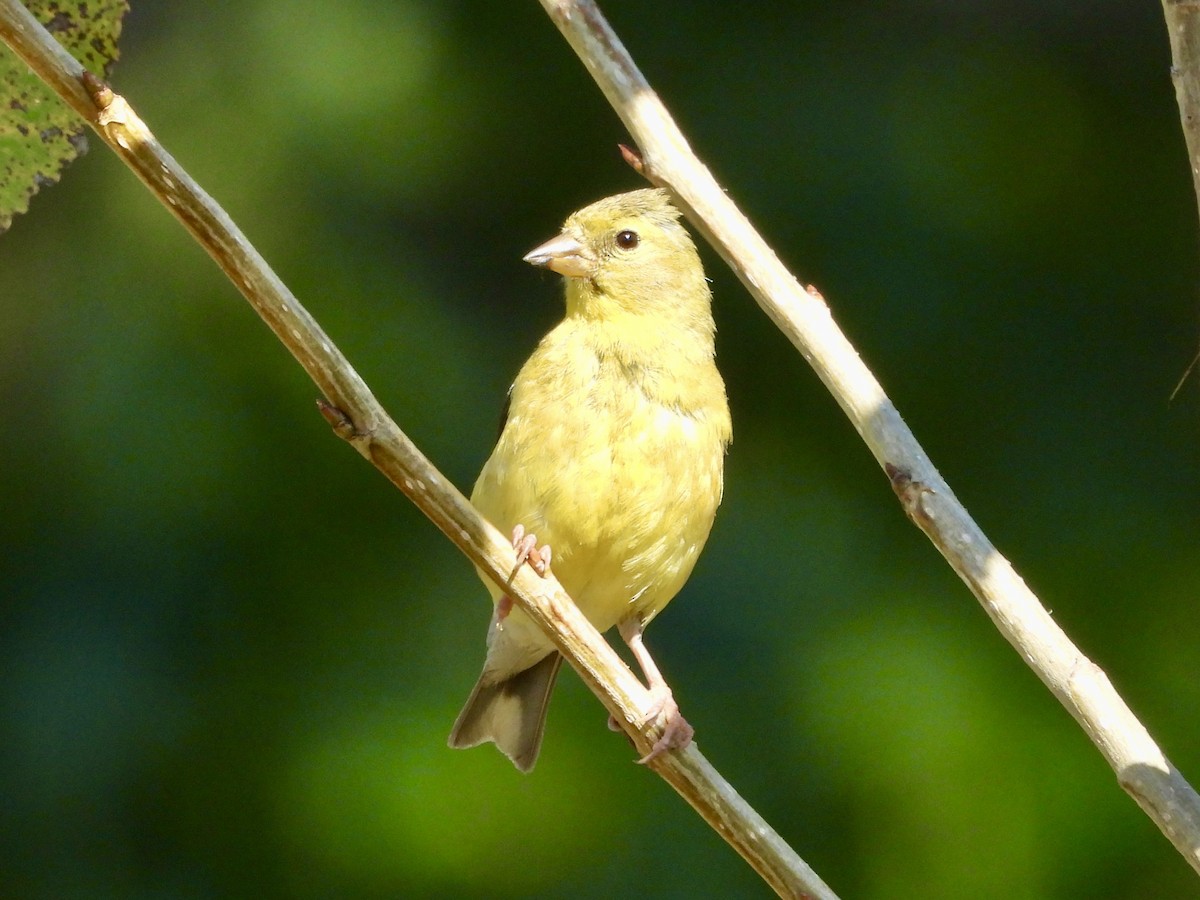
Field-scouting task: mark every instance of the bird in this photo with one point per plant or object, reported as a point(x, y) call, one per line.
point(611, 453)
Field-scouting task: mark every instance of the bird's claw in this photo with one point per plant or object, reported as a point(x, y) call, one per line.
point(529, 552)
point(676, 734)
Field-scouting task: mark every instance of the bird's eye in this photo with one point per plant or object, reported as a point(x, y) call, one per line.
point(627, 239)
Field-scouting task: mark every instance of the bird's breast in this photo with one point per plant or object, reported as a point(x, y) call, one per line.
point(621, 480)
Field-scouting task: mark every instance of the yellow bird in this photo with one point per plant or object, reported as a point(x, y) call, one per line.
point(612, 453)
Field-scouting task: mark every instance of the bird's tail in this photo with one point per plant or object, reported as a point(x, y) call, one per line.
point(510, 713)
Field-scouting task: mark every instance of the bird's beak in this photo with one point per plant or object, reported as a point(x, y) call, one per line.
point(564, 255)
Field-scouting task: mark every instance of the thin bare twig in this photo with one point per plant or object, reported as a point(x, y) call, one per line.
point(357, 416)
point(802, 314)
point(1183, 30)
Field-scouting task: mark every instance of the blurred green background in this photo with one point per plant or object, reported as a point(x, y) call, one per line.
point(230, 652)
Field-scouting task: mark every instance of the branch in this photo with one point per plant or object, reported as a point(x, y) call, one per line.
point(802, 314)
point(1183, 29)
point(357, 417)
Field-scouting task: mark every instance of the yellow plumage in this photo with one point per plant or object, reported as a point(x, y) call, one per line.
point(611, 453)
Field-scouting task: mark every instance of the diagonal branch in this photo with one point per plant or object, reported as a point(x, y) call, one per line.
point(357, 416)
point(802, 314)
point(1183, 30)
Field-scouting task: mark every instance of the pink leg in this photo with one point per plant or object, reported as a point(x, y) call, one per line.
point(503, 607)
point(676, 732)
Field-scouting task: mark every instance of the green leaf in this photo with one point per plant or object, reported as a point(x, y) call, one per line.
point(39, 134)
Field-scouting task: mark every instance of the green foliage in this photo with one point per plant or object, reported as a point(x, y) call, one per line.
point(39, 134)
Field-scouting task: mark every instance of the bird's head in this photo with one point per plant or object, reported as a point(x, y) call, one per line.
point(629, 255)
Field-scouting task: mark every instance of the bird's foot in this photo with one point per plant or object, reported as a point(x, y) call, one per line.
point(529, 552)
point(676, 732)
point(663, 711)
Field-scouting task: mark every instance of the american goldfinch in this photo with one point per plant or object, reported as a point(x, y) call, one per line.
point(611, 453)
